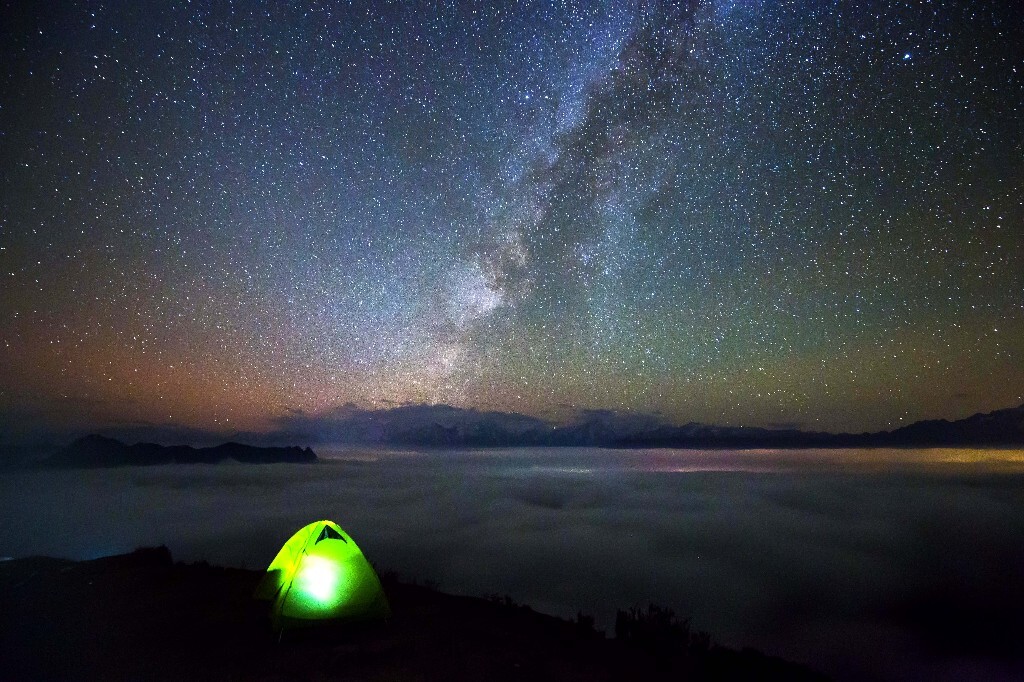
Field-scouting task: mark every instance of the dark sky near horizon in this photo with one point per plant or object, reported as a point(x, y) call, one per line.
point(740, 212)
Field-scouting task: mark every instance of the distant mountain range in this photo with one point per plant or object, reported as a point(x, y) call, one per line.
point(446, 426)
point(99, 451)
point(443, 426)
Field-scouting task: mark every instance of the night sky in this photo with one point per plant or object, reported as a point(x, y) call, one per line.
point(754, 213)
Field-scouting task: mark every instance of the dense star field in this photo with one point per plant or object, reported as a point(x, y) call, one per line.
point(221, 214)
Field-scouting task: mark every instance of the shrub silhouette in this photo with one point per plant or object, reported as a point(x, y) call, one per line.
point(656, 630)
point(585, 625)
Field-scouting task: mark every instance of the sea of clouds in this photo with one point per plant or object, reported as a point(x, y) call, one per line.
point(863, 571)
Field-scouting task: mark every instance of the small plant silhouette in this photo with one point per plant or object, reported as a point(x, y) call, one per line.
point(655, 629)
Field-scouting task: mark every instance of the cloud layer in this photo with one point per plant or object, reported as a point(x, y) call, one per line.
point(862, 575)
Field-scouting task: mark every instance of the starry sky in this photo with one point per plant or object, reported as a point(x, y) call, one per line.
point(217, 214)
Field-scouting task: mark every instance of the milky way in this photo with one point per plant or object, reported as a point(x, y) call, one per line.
point(745, 212)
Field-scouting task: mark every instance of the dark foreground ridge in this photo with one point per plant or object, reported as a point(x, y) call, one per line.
point(141, 616)
point(99, 451)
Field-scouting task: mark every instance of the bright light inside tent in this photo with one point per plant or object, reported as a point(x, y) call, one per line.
point(319, 579)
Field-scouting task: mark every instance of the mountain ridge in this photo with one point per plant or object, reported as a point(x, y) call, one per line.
point(447, 426)
point(94, 451)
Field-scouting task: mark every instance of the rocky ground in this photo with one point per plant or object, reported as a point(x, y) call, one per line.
point(143, 617)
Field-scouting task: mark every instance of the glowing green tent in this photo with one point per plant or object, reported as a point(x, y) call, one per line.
point(321, 574)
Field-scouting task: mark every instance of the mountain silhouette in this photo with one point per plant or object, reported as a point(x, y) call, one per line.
point(99, 451)
point(447, 426)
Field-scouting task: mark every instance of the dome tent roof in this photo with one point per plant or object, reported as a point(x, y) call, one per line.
point(321, 574)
